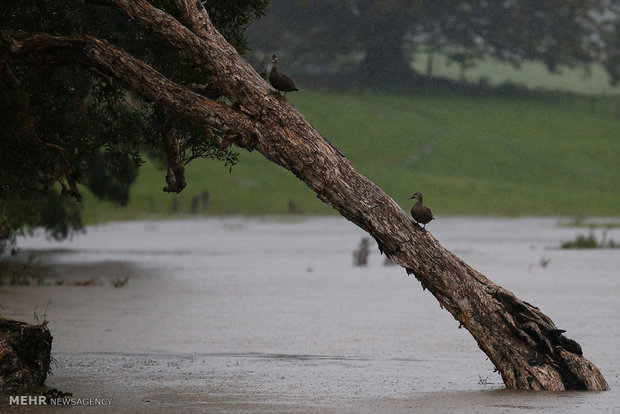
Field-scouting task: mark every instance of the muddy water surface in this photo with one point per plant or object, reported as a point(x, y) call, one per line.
point(270, 315)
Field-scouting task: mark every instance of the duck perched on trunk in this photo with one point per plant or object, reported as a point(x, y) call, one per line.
point(420, 213)
point(279, 80)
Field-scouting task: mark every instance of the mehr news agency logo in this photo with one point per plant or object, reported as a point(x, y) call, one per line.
point(58, 401)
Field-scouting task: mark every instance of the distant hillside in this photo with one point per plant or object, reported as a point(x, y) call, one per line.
point(544, 154)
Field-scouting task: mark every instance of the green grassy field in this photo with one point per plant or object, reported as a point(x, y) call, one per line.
point(539, 155)
point(532, 74)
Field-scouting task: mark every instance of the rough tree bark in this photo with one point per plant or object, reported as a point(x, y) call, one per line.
point(525, 346)
point(25, 356)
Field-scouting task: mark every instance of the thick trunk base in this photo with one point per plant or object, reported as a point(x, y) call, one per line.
point(25, 356)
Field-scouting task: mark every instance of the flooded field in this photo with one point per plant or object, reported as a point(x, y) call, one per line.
point(270, 315)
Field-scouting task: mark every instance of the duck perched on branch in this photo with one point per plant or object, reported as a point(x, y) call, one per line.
point(279, 80)
point(420, 213)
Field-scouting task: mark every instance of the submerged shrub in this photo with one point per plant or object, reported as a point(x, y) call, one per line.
point(590, 242)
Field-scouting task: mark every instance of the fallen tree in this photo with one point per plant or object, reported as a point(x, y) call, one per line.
point(525, 346)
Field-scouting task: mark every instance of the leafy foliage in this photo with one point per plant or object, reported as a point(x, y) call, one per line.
point(66, 126)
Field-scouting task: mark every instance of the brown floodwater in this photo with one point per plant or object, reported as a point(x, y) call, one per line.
point(269, 315)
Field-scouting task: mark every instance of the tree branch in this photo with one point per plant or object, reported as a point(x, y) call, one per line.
point(101, 56)
point(176, 169)
point(243, 86)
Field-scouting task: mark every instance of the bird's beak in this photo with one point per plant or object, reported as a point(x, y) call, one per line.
point(411, 197)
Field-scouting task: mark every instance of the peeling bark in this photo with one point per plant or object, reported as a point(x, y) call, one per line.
point(525, 346)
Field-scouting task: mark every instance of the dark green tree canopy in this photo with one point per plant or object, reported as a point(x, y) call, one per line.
point(371, 41)
point(68, 125)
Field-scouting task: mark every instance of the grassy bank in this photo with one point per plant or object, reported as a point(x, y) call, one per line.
point(535, 155)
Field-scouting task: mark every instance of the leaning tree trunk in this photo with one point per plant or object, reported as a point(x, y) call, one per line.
point(526, 347)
